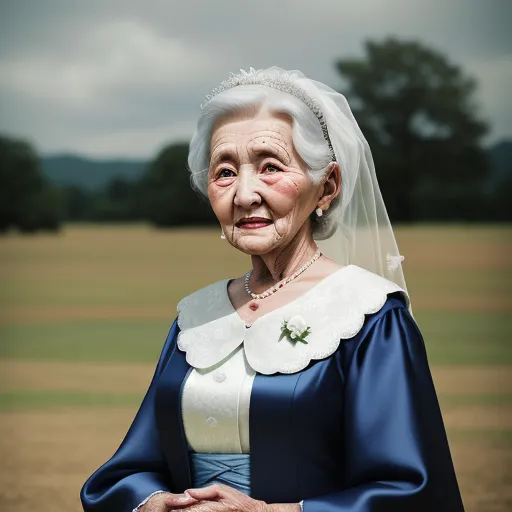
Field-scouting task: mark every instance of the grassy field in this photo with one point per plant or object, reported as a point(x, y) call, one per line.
point(83, 316)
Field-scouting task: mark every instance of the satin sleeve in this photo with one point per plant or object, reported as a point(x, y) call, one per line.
point(138, 467)
point(396, 454)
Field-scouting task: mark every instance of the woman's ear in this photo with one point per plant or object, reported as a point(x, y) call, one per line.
point(331, 185)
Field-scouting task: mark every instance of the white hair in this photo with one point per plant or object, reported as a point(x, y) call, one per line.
point(307, 137)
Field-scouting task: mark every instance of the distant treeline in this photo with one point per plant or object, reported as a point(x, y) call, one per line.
point(415, 107)
point(162, 195)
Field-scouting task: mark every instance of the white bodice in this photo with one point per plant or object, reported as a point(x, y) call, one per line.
point(226, 355)
point(215, 406)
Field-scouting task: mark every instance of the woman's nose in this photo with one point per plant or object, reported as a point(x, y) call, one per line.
point(246, 195)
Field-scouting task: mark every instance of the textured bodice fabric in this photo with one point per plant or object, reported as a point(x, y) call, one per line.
point(215, 406)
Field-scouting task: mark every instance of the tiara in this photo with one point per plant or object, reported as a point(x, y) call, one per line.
point(256, 77)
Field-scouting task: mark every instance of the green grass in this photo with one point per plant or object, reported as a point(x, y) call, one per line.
point(466, 337)
point(493, 437)
point(36, 400)
point(45, 399)
point(452, 400)
point(98, 341)
point(84, 292)
point(496, 282)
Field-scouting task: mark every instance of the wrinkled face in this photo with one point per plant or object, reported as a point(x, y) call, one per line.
point(258, 185)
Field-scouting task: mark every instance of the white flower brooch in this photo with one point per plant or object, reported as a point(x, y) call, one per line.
point(295, 329)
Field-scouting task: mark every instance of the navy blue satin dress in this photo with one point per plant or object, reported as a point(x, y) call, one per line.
point(358, 431)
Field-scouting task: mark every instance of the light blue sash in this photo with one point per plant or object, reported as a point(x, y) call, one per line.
point(231, 469)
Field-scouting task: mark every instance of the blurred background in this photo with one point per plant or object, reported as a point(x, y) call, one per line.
point(102, 235)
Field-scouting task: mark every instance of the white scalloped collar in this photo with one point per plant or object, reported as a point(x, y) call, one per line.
point(335, 309)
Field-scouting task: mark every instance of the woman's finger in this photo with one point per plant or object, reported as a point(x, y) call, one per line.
point(206, 493)
point(178, 500)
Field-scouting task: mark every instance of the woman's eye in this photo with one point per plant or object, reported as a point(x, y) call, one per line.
point(272, 168)
point(226, 173)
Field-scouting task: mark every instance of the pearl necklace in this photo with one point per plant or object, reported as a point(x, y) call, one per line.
point(273, 289)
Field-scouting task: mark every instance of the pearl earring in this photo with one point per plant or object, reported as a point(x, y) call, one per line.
point(222, 235)
point(319, 212)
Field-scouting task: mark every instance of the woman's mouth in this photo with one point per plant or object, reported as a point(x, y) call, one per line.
point(253, 223)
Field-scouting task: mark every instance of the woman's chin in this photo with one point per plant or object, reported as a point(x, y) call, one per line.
point(255, 245)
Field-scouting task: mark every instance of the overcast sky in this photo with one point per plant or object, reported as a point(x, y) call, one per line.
point(124, 77)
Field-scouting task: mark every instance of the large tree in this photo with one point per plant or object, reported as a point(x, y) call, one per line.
point(167, 197)
point(26, 200)
point(418, 113)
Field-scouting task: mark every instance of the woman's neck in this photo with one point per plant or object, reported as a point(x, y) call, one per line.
point(274, 266)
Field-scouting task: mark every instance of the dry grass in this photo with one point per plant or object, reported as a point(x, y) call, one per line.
point(479, 417)
point(50, 314)
point(473, 380)
point(137, 272)
point(123, 377)
point(84, 377)
point(48, 455)
point(483, 471)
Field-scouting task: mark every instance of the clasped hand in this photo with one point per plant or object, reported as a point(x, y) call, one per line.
point(214, 498)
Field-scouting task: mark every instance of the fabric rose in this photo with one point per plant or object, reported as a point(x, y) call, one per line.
point(295, 329)
point(296, 325)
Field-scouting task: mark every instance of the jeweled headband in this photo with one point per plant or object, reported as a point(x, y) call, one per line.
point(255, 77)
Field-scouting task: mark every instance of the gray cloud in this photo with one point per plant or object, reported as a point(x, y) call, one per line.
point(122, 77)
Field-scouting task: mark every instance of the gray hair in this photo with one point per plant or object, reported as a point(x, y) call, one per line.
point(307, 136)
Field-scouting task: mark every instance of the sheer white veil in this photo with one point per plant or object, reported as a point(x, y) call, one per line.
point(363, 234)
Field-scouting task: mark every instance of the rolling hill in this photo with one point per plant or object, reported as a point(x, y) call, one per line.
point(87, 173)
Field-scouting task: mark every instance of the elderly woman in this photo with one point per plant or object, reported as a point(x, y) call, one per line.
point(303, 385)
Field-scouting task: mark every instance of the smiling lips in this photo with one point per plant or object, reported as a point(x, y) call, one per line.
point(253, 223)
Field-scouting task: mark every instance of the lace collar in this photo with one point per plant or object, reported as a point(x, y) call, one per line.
point(335, 309)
